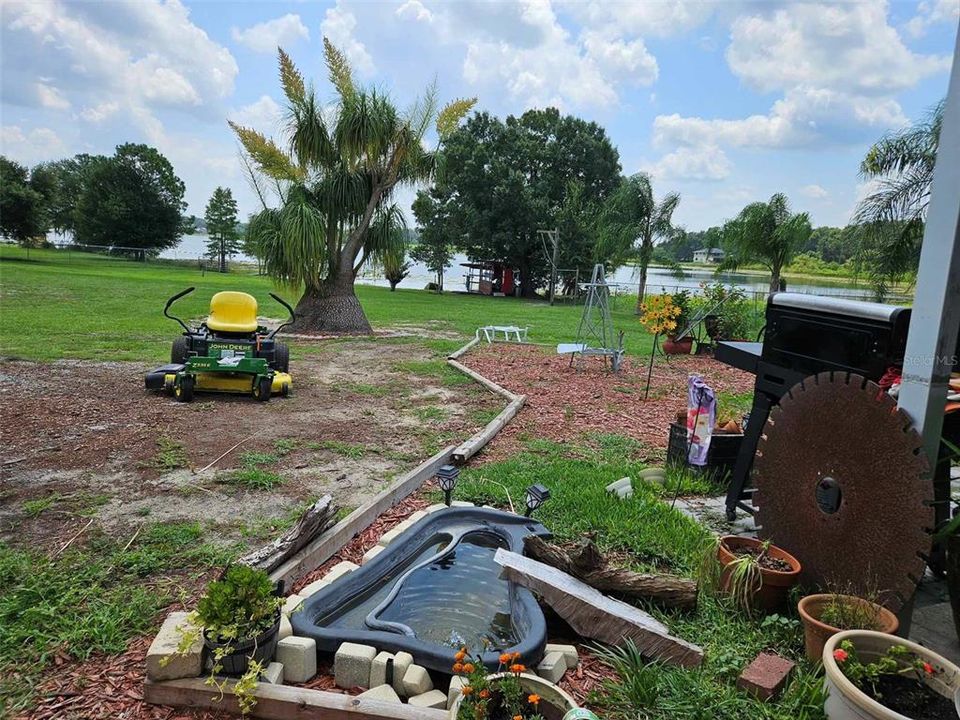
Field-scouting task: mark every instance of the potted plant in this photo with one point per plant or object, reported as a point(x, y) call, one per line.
point(507, 694)
point(826, 614)
point(674, 345)
point(239, 617)
point(756, 574)
point(875, 676)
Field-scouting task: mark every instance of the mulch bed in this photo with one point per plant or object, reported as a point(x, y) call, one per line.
point(563, 403)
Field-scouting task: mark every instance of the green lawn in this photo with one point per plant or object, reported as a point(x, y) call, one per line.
point(58, 304)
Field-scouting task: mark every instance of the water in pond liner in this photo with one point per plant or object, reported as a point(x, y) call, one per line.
point(434, 589)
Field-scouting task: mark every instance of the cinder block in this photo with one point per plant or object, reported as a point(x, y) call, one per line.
point(401, 663)
point(298, 655)
point(395, 532)
point(456, 685)
point(273, 674)
point(416, 681)
point(163, 660)
point(461, 503)
point(552, 667)
point(286, 629)
point(569, 653)
point(351, 665)
point(292, 604)
point(621, 488)
point(766, 676)
point(431, 699)
point(313, 588)
point(435, 507)
point(384, 693)
point(339, 570)
point(381, 669)
point(371, 554)
point(655, 474)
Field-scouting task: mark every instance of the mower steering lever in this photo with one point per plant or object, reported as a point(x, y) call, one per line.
point(293, 315)
point(173, 300)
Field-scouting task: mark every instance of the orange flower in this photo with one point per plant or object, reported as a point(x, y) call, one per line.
point(457, 668)
point(533, 699)
point(484, 693)
point(517, 668)
point(460, 656)
point(840, 655)
point(518, 717)
point(467, 690)
point(515, 656)
point(505, 658)
point(468, 668)
point(928, 668)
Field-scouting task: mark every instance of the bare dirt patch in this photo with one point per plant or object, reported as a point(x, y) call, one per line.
point(84, 438)
point(563, 403)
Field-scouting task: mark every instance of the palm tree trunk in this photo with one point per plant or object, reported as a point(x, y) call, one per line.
point(332, 307)
point(643, 287)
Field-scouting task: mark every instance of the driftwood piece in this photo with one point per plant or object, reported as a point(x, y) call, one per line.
point(595, 615)
point(587, 563)
point(315, 519)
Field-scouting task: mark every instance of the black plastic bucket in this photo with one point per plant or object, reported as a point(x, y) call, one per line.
point(261, 649)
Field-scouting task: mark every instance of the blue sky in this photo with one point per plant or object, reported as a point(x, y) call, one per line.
point(725, 102)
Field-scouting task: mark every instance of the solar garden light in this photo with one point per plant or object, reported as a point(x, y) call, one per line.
point(537, 495)
point(447, 478)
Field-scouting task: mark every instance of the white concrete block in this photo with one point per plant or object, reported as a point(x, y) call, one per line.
point(461, 503)
point(339, 570)
point(380, 669)
point(653, 474)
point(616, 486)
point(552, 667)
point(430, 699)
point(351, 665)
point(401, 663)
point(313, 588)
point(292, 604)
point(456, 685)
point(298, 655)
point(416, 681)
point(273, 674)
point(435, 507)
point(371, 554)
point(384, 693)
point(569, 652)
point(395, 532)
point(286, 629)
point(163, 660)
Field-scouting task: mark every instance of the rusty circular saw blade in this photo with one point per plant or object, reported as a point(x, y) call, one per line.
point(842, 426)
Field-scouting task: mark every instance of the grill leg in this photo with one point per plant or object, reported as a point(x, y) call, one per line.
point(741, 471)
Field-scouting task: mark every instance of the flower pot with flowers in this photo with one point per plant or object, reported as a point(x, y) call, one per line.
point(509, 694)
point(875, 676)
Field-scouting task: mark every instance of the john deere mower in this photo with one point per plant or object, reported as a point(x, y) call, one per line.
point(228, 353)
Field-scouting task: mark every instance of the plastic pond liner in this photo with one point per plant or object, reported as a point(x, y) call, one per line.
point(434, 589)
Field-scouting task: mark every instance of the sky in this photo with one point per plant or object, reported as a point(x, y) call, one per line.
point(724, 102)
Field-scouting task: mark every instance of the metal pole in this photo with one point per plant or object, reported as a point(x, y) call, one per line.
point(553, 266)
point(932, 339)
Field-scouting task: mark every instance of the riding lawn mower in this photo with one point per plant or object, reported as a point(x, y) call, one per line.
point(229, 352)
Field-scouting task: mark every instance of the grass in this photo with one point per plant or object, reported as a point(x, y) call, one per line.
point(344, 449)
point(35, 508)
point(89, 600)
point(89, 306)
point(170, 455)
point(652, 537)
point(252, 474)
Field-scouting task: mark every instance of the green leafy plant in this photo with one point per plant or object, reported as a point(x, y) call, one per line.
point(236, 609)
point(681, 300)
point(850, 610)
point(729, 305)
point(898, 660)
point(505, 697)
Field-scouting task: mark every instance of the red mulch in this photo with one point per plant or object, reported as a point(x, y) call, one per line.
point(586, 677)
point(563, 403)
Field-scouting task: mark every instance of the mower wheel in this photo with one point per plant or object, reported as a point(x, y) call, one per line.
point(261, 390)
point(281, 357)
point(183, 388)
point(180, 350)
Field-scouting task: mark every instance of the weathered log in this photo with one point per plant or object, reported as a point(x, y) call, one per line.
point(315, 519)
point(588, 564)
point(595, 615)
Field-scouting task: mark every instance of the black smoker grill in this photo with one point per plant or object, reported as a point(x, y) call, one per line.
point(806, 335)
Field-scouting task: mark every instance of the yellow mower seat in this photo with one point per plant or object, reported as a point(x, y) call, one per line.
point(234, 312)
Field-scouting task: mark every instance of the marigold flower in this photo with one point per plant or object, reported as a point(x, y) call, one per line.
point(517, 668)
point(505, 658)
point(840, 655)
point(466, 690)
point(484, 693)
point(928, 668)
point(468, 668)
point(515, 656)
point(534, 699)
point(458, 668)
point(460, 656)
point(518, 717)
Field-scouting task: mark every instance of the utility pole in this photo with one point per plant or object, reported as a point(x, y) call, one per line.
point(554, 237)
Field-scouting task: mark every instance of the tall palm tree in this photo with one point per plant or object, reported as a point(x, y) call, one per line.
point(767, 233)
point(632, 221)
point(893, 215)
point(335, 180)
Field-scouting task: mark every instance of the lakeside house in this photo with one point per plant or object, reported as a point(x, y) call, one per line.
point(708, 255)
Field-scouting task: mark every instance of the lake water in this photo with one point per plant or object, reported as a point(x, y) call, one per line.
point(659, 280)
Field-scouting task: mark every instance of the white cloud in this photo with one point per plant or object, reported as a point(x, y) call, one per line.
point(931, 12)
point(99, 113)
point(32, 146)
point(707, 162)
point(414, 10)
point(263, 115)
point(663, 19)
point(267, 36)
point(621, 57)
point(338, 27)
point(816, 192)
point(50, 97)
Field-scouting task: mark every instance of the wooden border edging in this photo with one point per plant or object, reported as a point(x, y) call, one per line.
point(282, 702)
point(457, 353)
point(332, 540)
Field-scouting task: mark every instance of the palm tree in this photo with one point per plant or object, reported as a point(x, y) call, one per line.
point(632, 221)
point(335, 183)
point(767, 233)
point(893, 215)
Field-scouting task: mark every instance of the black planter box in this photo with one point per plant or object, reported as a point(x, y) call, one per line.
point(721, 457)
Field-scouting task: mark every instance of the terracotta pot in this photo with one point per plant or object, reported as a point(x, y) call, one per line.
point(816, 632)
point(775, 585)
point(549, 693)
point(672, 346)
point(846, 702)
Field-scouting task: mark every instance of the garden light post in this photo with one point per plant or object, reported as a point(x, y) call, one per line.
point(447, 479)
point(537, 495)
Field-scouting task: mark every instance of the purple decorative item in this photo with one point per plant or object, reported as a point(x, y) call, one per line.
point(701, 417)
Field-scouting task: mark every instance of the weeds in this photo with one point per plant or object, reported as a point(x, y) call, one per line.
point(253, 475)
point(430, 413)
point(350, 450)
point(170, 455)
point(35, 508)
